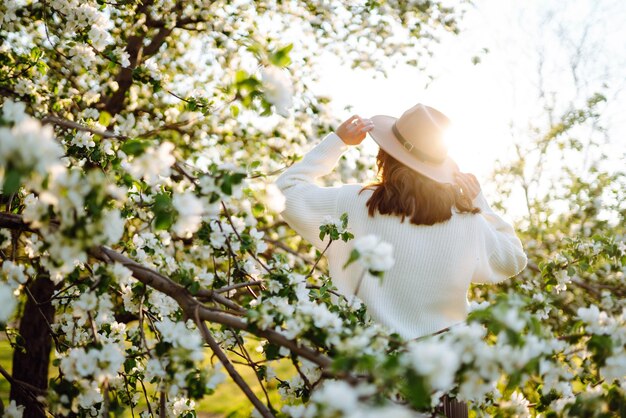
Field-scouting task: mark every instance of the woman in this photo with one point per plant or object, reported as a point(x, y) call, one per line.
point(443, 232)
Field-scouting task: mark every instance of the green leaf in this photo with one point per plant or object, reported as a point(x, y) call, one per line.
point(601, 347)
point(514, 381)
point(234, 110)
point(281, 57)
point(354, 255)
point(163, 221)
point(344, 220)
point(248, 85)
point(416, 392)
point(258, 209)
point(11, 182)
point(227, 185)
point(35, 53)
point(105, 119)
point(135, 146)
point(240, 76)
point(271, 351)
point(346, 236)
point(129, 364)
point(163, 211)
point(194, 288)
point(343, 363)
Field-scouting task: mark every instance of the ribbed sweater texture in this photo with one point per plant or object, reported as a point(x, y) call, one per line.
point(426, 289)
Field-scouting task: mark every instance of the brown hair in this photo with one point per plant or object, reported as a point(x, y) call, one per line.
point(404, 192)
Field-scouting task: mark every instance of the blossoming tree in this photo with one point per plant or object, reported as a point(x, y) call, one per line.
point(142, 252)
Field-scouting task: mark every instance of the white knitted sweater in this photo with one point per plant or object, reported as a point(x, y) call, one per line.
point(426, 290)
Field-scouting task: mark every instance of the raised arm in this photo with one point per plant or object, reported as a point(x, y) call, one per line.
point(306, 202)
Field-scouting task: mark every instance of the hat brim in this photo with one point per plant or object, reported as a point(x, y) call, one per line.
point(382, 134)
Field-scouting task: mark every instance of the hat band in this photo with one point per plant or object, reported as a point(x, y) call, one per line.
point(411, 148)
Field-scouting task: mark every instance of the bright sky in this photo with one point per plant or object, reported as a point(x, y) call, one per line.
point(483, 100)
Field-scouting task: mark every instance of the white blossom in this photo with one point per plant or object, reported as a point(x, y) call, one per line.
point(5, 239)
point(275, 198)
point(8, 302)
point(100, 37)
point(374, 254)
point(112, 226)
point(13, 274)
point(437, 361)
point(512, 320)
point(86, 302)
point(14, 111)
point(563, 280)
point(83, 140)
point(337, 396)
point(190, 212)
point(477, 306)
point(28, 145)
point(179, 335)
point(615, 366)
point(90, 395)
point(153, 164)
point(597, 321)
point(517, 406)
point(330, 221)
point(13, 410)
point(82, 57)
point(91, 113)
point(278, 89)
point(217, 377)
point(122, 56)
point(294, 411)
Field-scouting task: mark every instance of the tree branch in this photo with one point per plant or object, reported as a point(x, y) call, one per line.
point(11, 221)
point(184, 298)
point(115, 103)
point(263, 410)
point(65, 123)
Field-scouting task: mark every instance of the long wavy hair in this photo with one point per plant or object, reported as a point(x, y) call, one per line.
point(402, 191)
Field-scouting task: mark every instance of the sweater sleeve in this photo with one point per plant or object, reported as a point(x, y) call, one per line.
point(500, 252)
point(306, 203)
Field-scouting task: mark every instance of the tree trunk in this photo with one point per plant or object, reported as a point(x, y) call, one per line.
point(30, 365)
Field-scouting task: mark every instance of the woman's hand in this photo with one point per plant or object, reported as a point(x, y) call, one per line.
point(353, 130)
point(468, 183)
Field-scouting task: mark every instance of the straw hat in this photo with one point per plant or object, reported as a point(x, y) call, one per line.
point(416, 140)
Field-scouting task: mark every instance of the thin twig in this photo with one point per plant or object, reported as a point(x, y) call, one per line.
point(305, 379)
point(162, 405)
point(43, 315)
point(358, 287)
point(290, 250)
point(238, 285)
point(318, 259)
point(251, 363)
point(27, 389)
point(263, 410)
point(24, 385)
point(315, 286)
